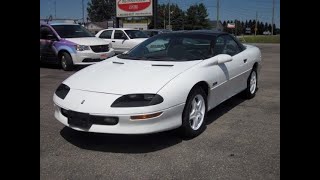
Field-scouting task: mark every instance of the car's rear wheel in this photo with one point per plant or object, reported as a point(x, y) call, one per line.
point(252, 84)
point(194, 113)
point(66, 61)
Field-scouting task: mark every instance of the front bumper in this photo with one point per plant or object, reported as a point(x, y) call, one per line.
point(170, 118)
point(90, 57)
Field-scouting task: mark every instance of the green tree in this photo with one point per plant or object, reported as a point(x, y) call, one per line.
point(274, 29)
point(101, 10)
point(260, 27)
point(177, 17)
point(197, 17)
point(243, 27)
point(265, 27)
point(224, 24)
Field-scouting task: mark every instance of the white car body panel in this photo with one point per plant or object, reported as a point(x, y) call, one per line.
point(78, 57)
point(121, 45)
point(88, 41)
point(96, 87)
point(137, 76)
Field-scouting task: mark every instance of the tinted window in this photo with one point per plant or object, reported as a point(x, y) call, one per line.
point(155, 33)
point(72, 31)
point(136, 34)
point(149, 33)
point(106, 34)
point(158, 45)
point(118, 34)
point(45, 32)
point(172, 47)
point(226, 45)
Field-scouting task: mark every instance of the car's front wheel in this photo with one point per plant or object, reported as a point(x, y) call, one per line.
point(66, 61)
point(252, 84)
point(194, 113)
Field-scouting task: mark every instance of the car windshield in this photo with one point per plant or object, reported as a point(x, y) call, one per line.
point(173, 47)
point(72, 31)
point(136, 34)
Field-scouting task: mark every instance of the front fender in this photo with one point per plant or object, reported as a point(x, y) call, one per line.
point(177, 90)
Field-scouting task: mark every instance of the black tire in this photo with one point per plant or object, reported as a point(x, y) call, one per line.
point(66, 61)
point(248, 94)
point(186, 130)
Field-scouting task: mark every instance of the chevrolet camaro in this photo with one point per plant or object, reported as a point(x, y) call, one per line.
point(168, 81)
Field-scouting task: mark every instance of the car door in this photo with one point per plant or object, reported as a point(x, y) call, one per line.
point(230, 74)
point(120, 41)
point(106, 35)
point(47, 42)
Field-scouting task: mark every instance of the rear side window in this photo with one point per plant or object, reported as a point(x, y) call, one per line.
point(119, 34)
point(106, 34)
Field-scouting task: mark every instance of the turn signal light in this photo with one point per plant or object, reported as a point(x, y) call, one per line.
point(145, 116)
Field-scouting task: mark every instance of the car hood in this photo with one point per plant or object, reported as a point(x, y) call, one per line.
point(88, 41)
point(119, 76)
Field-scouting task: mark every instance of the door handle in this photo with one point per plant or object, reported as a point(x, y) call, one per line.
point(245, 60)
point(113, 41)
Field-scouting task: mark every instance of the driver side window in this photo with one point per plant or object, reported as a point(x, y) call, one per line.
point(46, 33)
point(226, 45)
point(106, 34)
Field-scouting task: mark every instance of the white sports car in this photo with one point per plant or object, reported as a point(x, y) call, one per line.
point(168, 81)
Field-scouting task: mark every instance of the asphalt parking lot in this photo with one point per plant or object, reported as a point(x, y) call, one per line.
point(242, 139)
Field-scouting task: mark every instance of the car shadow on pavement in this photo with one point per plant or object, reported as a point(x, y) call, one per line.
point(117, 143)
point(223, 108)
point(50, 66)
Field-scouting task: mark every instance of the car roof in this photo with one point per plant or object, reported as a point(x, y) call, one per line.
point(57, 23)
point(157, 30)
point(121, 29)
point(63, 24)
point(200, 32)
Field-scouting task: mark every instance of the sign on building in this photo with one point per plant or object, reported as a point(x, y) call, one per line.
point(132, 8)
point(248, 30)
point(231, 25)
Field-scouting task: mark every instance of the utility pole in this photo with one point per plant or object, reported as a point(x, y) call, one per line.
point(82, 12)
point(255, 28)
point(235, 27)
point(164, 18)
point(217, 13)
point(55, 10)
point(155, 13)
point(272, 18)
point(169, 12)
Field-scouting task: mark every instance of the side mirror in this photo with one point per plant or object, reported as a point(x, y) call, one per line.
point(223, 58)
point(124, 37)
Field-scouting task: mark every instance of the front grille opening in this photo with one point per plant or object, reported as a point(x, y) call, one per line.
point(101, 120)
point(91, 60)
point(104, 120)
point(100, 48)
point(64, 112)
